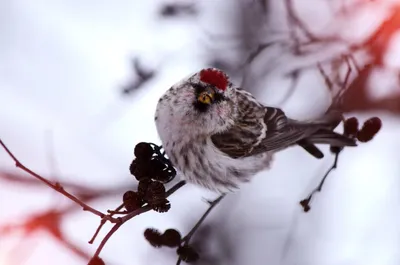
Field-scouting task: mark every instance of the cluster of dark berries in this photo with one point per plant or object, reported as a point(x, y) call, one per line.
point(367, 132)
point(151, 168)
point(150, 192)
point(171, 238)
point(150, 163)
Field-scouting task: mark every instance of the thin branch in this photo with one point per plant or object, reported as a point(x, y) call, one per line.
point(57, 187)
point(189, 236)
point(106, 238)
point(325, 76)
point(306, 202)
point(143, 76)
point(102, 222)
point(296, 21)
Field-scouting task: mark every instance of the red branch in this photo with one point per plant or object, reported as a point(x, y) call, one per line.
point(56, 186)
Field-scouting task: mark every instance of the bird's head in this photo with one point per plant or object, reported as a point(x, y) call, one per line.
point(205, 101)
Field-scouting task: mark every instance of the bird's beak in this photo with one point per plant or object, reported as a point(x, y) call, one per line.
point(210, 92)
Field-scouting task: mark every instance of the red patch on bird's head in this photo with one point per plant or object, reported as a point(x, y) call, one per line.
point(214, 77)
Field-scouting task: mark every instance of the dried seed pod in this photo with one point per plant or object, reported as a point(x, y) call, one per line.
point(143, 151)
point(155, 193)
point(157, 165)
point(160, 206)
point(351, 127)
point(162, 176)
point(154, 237)
point(131, 201)
point(162, 171)
point(140, 169)
point(171, 171)
point(187, 254)
point(143, 186)
point(369, 129)
point(171, 238)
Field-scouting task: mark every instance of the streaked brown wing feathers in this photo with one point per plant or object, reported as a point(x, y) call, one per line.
point(242, 140)
point(235, 142)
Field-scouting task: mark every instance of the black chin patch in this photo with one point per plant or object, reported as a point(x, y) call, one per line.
point(200, 107)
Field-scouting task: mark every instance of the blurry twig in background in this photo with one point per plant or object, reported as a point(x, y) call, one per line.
point(142, 75)
point(178, 9)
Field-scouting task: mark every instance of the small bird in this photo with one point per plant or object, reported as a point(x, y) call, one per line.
point(219, 136)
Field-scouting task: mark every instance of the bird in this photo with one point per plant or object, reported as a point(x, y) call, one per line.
point(218, 136)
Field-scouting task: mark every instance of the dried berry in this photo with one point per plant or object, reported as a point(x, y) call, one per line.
point(157, 165)
point(351, 127)
point(131, 201)
point(143, 151)
point(171, 238)
point(155, 193)
point(162, 171)
point(187, 254)
point(96, 261)
point(140, 169)
point(160, 206)
point(143, 186)
point(154, 237)
point(163, 176)
point(369, 129)
point(156, 197)
point(171, 171)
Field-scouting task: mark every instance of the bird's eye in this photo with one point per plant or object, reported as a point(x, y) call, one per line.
point(205, 97)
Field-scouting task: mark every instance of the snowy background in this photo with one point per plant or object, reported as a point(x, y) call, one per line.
point(64, 66)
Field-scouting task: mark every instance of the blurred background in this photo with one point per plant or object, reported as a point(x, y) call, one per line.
point(79, 83)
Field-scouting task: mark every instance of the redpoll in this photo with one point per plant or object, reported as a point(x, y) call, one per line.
point(218, 135)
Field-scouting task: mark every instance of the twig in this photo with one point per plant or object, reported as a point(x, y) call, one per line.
point(189, 236)
point(105, 239)
point(102, 222)
point(57, 187)
point(143, 76)
point(296, 21)
point(177, 9)
point(325, 76)
point(306, 202)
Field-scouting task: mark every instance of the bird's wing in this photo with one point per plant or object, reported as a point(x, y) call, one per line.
point(258, 129)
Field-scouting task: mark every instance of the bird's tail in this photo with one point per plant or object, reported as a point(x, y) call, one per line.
point(324, 134)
